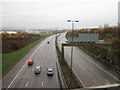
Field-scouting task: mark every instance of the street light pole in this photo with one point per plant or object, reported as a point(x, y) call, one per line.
point(72, 46)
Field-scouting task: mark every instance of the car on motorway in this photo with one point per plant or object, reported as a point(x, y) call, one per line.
point(30, 62)
point(66, 41)
point(37, 70)
point(48, 42)
point(50, 71)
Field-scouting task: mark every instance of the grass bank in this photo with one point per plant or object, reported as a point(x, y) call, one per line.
point(10, 59)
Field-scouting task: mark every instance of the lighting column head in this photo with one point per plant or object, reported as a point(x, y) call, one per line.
point(72, 21)
point(68, 20)
point(76, 21)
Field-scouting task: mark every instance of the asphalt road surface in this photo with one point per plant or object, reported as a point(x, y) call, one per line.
point(88, 71)
point(22, 75)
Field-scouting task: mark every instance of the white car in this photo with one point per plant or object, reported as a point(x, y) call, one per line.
point(50, 71)
point(66, 41)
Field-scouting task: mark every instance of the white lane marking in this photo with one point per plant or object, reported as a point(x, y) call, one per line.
point(101, 68)
point(42, 84)
point(38, 51)
point(104, 70)
point(44, 69)
point(77, 76)
point(23, 66)
point(26, 84)
point(16, 76)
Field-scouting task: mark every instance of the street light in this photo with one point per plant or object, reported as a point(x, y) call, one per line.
point(72, 21)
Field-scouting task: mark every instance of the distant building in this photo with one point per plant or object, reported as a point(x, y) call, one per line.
point(84, 38)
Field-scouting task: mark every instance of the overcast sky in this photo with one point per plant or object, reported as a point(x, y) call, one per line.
point(53, 14)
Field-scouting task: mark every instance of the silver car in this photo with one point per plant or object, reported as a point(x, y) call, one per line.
point(37, 70)
point(50, 71)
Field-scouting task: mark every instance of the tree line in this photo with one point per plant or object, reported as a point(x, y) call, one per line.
point(107, 33)
point(15, 41)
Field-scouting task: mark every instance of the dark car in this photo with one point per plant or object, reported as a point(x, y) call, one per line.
point(66, 41)
point(37, 70)
point(48, 42)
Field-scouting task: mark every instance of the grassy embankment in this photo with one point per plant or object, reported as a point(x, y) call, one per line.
point(10, 59)
point(102, 53)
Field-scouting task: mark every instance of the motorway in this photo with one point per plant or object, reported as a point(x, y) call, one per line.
point(22, 75)
point(88, 71)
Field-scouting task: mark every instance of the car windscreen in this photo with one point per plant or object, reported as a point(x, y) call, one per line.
point(30, 61)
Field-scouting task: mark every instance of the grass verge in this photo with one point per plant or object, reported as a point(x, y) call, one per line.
point(10, 59)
